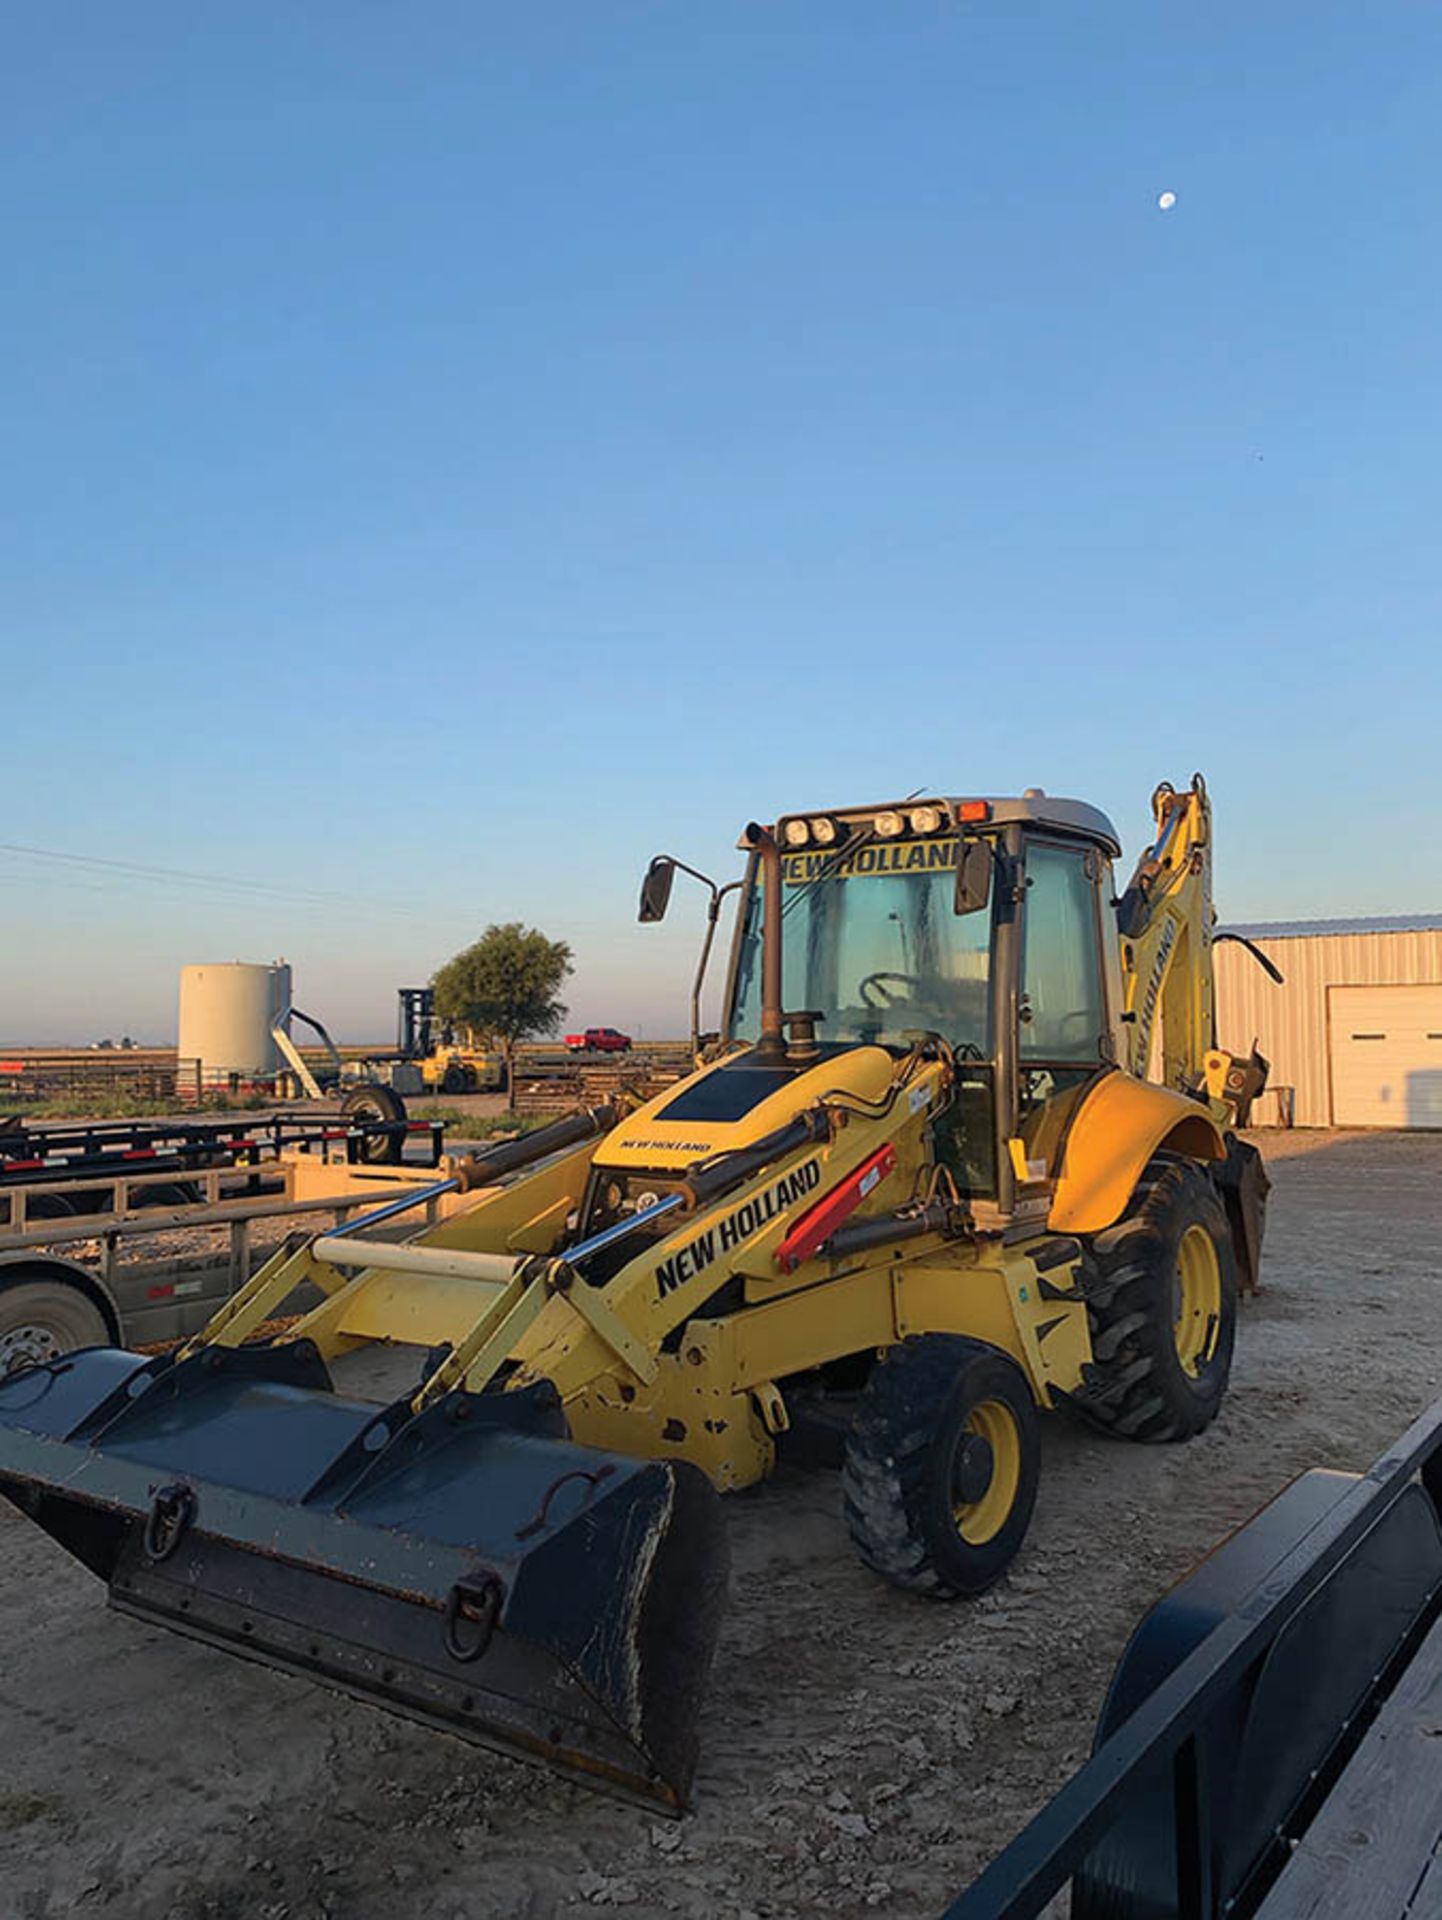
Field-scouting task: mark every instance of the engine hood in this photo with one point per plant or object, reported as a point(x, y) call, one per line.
point(735, 1102)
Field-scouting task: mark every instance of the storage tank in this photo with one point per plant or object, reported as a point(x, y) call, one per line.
point(227, 1009)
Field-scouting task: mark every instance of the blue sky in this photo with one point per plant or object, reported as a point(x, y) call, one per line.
point(452, 451)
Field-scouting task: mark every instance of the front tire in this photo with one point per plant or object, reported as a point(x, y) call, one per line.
point(1161, 1292)
point(941, 1466)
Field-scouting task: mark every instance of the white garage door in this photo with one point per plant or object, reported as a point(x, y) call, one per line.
point(1386, 1056)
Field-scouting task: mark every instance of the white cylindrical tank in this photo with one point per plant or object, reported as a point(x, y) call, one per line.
point(227, 1009)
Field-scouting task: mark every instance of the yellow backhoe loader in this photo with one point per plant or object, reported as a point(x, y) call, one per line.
point(917, 1189)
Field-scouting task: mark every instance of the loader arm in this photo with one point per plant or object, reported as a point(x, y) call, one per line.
point(596, 1312)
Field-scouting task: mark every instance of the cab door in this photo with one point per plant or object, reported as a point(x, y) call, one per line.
point(1063, 1029)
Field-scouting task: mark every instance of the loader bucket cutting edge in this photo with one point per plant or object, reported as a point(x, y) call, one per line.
point(470, 1567)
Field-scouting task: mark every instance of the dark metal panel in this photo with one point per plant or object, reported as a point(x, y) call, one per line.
point(1257, 1674)
point(729, 1091)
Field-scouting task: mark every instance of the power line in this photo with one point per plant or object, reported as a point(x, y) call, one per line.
point(122, 870)
point(174, 873)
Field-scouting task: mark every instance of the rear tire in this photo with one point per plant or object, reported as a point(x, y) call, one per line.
point(1161, 1291)
point(376, 1103)
point(941, 1466)
point(42, 1319)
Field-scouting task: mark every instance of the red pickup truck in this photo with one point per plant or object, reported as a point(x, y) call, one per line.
point(599, 1040)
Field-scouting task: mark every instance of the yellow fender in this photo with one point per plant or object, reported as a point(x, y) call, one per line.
point(1118, 1127)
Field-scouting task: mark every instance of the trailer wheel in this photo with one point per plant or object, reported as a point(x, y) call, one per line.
point(42, 1319)
point(177, 1193)
point(49, 1206)
point(941, 1466)
point(377, 1105)
point(1161, 1291)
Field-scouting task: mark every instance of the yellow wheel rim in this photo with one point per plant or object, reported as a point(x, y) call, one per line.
point(983, 1518)
point(1199, 1300)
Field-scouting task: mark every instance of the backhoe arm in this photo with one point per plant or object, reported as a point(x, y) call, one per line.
point(1165, 921)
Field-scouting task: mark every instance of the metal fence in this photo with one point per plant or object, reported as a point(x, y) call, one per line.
point(122, 1073)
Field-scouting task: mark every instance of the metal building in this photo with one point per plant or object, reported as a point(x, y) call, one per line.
point(1355, 1033)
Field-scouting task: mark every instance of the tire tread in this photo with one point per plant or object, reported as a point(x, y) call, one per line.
point(887, 1472)
point(1129, 1388)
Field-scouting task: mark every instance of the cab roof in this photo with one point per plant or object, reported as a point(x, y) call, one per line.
point(1032, 808)
point(1037, 809)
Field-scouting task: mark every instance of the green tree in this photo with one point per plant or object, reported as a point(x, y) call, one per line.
point(506, 986)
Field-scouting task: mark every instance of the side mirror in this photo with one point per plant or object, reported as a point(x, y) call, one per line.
point(973, 875)
point(656, 889)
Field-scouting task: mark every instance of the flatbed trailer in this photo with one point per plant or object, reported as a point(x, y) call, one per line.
point(135, 1273)
point(72, 1167)
point(1269, 1743)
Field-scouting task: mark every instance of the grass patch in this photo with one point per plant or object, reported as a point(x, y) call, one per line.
point(474, 1126)
point(119, 1105)
point(23, 1809)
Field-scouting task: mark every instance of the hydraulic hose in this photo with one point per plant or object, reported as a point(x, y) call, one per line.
point(937, 1216)
point(712, 1178)
point(482, 1170)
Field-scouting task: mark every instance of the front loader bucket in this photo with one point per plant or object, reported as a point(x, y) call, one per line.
point(469, 1566)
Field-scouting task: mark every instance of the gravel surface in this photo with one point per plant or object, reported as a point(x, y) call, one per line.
point(864, 1752)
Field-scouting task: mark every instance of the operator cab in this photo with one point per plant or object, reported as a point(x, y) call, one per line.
point(979, 922)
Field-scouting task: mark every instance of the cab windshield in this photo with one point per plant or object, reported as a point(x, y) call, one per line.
point(875, 948)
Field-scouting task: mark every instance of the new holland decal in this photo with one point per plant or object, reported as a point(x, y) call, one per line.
point(734, 1227)
point(881, 859)
point(1154, 987)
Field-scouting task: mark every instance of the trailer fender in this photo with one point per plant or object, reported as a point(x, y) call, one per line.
point(1119, 1126)
point(18, 1269)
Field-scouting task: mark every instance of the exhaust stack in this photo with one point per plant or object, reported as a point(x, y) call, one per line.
point(772, 1042)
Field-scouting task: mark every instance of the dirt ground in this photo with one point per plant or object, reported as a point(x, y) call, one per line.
point(864, 1752)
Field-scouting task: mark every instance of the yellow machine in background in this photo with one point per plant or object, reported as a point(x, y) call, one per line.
point(916, 1192)
point(449, 1058)
point(459, 1067)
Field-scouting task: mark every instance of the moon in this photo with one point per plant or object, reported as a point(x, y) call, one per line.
point(1166, 201)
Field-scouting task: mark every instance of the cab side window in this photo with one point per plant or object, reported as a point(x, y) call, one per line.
point(1063, 1009)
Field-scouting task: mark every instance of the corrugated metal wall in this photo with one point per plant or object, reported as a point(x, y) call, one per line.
point(1290, 1022)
